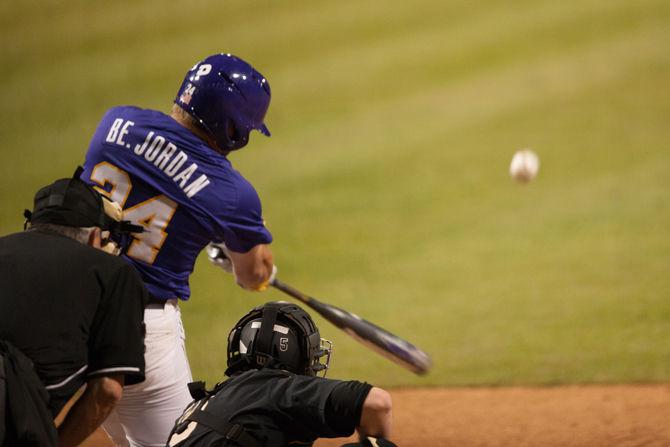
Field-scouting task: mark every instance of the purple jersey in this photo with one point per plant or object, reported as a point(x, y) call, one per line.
point(183, 192)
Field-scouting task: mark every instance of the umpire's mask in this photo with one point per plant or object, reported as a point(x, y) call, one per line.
point(73, 203)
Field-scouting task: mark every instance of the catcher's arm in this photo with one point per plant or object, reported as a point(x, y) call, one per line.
point(253, 270)
point(376, 416)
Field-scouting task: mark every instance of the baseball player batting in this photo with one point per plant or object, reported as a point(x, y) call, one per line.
point(171, 174)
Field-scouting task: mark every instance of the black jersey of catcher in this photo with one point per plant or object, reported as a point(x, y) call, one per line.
point(279, 408)
point(75, 311)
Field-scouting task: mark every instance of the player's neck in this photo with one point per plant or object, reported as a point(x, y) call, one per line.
point(185, 120)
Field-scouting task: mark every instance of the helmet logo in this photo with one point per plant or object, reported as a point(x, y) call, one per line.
point(203, 70)
point(283, 344)
point(188, 94)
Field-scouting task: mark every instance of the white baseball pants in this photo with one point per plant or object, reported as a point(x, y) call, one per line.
point(147, 411)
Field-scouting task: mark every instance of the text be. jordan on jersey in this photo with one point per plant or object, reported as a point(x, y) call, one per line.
point(163, 154)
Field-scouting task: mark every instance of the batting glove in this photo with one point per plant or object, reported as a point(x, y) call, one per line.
point(217, 254)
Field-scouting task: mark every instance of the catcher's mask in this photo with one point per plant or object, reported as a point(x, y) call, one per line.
point(73, 203)
point(277, 335)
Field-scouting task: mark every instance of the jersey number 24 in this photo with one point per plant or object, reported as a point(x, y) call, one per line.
point(153, 214)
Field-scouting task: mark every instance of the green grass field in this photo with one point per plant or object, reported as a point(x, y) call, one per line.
point(385, 181)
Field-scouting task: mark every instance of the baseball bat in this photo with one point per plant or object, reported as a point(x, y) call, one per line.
point(380, 340)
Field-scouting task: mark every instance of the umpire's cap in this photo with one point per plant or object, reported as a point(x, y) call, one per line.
point(71, 202)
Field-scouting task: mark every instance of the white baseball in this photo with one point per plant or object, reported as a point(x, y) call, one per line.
point(524, 166)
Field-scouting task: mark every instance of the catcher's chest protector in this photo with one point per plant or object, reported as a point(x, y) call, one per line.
point(196, 414)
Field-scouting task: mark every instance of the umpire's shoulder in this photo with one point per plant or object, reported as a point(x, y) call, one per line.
point(117, 276)
point(120, 265)
point(104, 262)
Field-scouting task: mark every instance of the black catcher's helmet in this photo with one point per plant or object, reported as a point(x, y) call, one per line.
point(277, 335)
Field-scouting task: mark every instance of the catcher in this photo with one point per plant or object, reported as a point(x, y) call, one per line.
point(274, 397)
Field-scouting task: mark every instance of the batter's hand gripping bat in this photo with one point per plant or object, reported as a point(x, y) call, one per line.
point(385, 343)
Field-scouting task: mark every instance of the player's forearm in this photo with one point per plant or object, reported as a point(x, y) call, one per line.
point(376, 417)
point(253, 269)
point(91, 410)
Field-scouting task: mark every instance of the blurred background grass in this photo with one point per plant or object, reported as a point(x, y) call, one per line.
point(385, 181)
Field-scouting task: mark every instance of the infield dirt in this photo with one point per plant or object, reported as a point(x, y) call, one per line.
point(565, 416)
point(561, 416)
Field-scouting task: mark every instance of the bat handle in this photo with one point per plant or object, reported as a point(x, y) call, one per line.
point(295, 293)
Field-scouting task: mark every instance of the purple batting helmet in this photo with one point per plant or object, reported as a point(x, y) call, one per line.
point(228, 97)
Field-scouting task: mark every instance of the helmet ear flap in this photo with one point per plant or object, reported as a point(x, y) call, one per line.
point(235, 137)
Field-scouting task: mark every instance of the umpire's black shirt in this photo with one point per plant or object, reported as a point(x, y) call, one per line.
point(75, 311)
point(279, 408)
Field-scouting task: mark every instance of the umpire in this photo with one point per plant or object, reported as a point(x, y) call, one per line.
point(75, 311)
point(274, 397)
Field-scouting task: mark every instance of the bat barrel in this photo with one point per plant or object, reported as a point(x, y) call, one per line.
point(380, 340)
